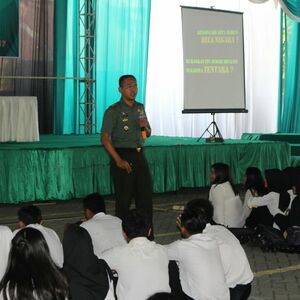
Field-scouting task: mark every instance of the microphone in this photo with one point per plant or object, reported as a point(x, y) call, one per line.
point(143, 126)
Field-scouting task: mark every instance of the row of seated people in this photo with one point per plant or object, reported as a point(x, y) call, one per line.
point(271, 201)
point(207, 263)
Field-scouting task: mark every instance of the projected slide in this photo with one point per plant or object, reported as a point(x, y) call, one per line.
point(213, 60)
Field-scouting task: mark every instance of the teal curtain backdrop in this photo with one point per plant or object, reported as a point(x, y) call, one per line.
point(122, 33)
point(293, 6)
point(289, 94)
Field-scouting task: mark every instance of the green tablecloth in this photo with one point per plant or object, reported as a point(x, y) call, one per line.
point(65, 167)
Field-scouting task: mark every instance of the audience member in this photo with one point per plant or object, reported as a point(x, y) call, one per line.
point(31, 216)
point(5, 239)
point(198, 258)
point(236, 267)
point(88, 276)
point(289, 174)
point(228, 208)
point(255, 187)
point(278, 199)
point(31, 273)
point(142, 265)
point(105, 230)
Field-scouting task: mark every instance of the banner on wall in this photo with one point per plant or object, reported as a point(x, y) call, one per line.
point(9, 28)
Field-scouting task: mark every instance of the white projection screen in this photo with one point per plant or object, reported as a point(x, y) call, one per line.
point(213, 53)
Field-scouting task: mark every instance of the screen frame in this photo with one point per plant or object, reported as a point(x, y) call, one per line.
point(216, 110)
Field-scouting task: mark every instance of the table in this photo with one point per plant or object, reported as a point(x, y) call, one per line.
point(18, 119)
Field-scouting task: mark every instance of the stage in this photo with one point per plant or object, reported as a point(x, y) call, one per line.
point(72, 166)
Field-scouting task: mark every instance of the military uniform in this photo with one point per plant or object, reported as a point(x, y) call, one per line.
point(121, 123)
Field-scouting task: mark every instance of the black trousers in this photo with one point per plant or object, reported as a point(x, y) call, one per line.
point(240, 292)
point(137, 184)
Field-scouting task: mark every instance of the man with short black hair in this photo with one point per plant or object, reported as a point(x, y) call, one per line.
point(238, 273)
point(142, 265)
point(105, 230)
point(198, 259)
point(124, 128)
point(31, 216)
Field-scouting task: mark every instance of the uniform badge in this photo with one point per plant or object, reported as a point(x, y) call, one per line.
point(141, 112)
point(126, 128)
point(124, 117)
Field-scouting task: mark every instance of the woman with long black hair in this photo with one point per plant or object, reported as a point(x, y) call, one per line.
point(228, 208)
point(31, 274)
point(277, 199)
point(254, 184)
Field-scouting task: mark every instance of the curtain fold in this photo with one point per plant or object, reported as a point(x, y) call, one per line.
point(290, 76)
point(36, 59)
point(122, 30)
point(291, 8)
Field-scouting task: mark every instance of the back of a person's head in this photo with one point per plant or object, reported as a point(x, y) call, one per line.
point(30, 214)
point(78, 256)
point(276, 183)
point(162, 296)
point(275, 180)
point(30, 267)
point(289, 174)
point(194, 218)
point(94, 202)
point(222, 173)
point(201, 206)
point(255, 181)
point(136, 224)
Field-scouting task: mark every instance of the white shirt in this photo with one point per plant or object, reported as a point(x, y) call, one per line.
point(200, 267)
point(247, 209)
point(105, 231)
point(5, 241)
point(228, 208)
point(53, 242)
point(235, 262)
point(292, 196)
point(142, 267)
point(271, 200)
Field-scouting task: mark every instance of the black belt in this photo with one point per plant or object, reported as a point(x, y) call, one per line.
point(130, 150)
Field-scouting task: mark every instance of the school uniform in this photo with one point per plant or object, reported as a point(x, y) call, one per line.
point(142, 268)
point(228, 207)
point(5, 241)
point(105, 231)
point(200, 267)
point(53, 242)
point(234, 260)
point(258, 215)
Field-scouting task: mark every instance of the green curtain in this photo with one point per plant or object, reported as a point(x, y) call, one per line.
point(293, 6)
point(289, 94)
point(122, 31)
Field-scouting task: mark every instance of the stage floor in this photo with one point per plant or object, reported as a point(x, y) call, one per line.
point(72, 166)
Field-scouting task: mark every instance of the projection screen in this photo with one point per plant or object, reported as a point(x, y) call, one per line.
point(213, 53)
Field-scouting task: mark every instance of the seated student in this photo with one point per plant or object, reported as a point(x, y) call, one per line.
point(88, 276)
point(238, 273)
point(5, 239)
point(293, 216)
point(198, 258)
point(255, 187)
point(228, 208)
point(31, 273)
point(278, 199)
point(31, 216)
point(142, 265)
point(105, 230)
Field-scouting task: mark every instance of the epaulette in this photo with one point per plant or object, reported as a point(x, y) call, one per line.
point(114, 106)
